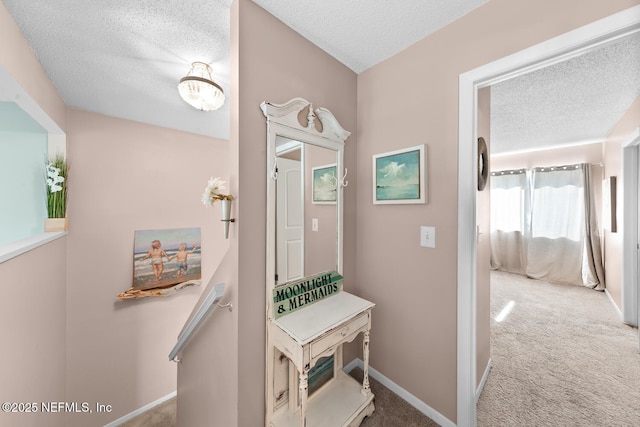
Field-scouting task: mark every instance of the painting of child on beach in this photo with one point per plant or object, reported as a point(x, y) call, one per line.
point(164, 258)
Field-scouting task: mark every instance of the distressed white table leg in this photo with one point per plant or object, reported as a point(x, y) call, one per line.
point(304, 394)
point(365, 354)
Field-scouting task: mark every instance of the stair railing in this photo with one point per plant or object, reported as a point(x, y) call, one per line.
point(197, 318)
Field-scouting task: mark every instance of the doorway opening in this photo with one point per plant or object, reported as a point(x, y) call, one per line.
point(631, 235)
point(547, 53)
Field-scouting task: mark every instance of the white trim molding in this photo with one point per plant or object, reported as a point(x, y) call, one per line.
point(139, 411)
point(613, 303)
point(483, 380)
point(552, 51)
point(402, 393)
point(631, 189)
point(19, 247)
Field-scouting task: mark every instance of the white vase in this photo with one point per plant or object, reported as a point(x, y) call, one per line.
point(226, 216)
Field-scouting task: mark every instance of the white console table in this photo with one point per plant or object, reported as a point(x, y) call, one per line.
point(316, 331)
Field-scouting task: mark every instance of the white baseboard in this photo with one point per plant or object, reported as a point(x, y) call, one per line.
point(613, 303)
point(483, 380)
point(404, 394)
point(139, 411)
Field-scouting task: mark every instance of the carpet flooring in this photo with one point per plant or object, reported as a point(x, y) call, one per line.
point(391, 410)
point(562, 357)
point(162, 415)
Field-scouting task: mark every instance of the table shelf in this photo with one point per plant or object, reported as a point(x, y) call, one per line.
point(340, 404)
point(304, 337)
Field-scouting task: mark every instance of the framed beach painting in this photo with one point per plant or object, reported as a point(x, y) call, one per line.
point(164, 258)
point(399, 177)
point(325, 184)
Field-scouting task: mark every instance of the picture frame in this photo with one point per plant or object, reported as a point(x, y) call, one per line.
point(610, 202)
point(324, 181)
point(163, 258)
point(399, 176)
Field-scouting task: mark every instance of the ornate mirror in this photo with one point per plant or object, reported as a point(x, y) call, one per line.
point(313, 316)
point(305, 149)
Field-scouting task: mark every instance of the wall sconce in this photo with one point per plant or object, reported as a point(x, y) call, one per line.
point(213, 193)
point(226, 216)
point(198, 89)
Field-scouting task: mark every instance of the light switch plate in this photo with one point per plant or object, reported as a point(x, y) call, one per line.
point(427, 237)
point(314, 224)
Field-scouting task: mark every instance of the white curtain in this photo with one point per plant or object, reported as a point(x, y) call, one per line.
point(510, 206)
point(559, 235)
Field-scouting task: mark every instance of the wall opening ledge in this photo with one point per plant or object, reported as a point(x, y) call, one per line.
point(19, 247)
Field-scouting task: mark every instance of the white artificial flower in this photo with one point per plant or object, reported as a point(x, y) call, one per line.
point(213, 191)
point(54, 179)
point(52, 171)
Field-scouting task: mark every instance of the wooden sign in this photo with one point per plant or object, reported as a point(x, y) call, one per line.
point(300, 293)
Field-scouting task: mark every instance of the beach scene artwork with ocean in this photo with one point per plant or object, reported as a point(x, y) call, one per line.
point(164, 258)
point(325, 184)
point(398, 176)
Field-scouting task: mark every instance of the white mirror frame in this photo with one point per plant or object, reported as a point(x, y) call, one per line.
point(282, 120)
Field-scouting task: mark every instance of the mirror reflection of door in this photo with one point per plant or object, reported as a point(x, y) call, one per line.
point(290, 213)
point(290, 221)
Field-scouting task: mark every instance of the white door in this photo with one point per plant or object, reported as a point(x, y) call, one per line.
point(289, 221)
point(637, 150)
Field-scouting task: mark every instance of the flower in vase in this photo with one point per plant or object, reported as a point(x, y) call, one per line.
point(57, 170)
point(213, 192)
point(54, 178)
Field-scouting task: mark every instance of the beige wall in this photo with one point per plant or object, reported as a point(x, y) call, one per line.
point(612, 154)
point(483, 217)
point(270, 62)
point(32, 312)
point(409, 99)
point(276, 64)
point(207, 374)
point(33, 303)
point(129, 176)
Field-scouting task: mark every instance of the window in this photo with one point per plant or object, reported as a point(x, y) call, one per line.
point(509, 200)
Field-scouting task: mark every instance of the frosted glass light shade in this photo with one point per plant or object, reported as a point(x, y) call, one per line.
point(199, 90)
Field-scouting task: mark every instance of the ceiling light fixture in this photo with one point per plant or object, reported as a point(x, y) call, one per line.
point(199, 90)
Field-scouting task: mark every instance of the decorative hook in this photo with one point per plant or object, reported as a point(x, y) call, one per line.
point(345, 183)
point(274, 170)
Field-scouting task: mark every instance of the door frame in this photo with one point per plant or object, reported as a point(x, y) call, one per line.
point(631, 189)
point(547, 53)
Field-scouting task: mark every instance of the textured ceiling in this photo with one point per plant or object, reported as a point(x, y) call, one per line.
point(124, 58)
point(576, 101)
point(362, 33)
